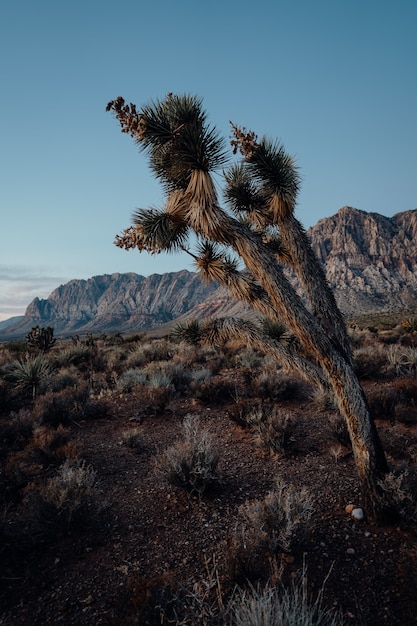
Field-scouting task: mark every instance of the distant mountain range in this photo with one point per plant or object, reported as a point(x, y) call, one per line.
point(370, 263)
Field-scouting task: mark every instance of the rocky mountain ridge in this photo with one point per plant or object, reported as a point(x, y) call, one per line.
point(112, 303)
point(370, 262)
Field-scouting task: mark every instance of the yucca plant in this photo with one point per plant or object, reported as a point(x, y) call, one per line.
point(28, 373)
point(244, 247)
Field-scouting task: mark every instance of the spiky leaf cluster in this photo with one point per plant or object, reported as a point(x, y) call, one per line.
point(268, 179)
point(188, 332)
point(175, 133)
point(214, 264)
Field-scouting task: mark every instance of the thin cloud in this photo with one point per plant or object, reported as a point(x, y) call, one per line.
point(20, 285)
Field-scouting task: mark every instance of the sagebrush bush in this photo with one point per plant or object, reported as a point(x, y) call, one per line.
point(68, 499)
point(53, 446)
point(271, 384)
point(279, 520)
point(192, 461)
point(277, 430)
point(68, 406)
point(132, 438)
point(157, 350)
point(383, 403)
point(369, 361)
point(130, 379)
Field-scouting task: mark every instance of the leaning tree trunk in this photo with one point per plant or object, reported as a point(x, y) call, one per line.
point(367, 448)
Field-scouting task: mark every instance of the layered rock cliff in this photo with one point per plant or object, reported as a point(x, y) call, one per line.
point(117, 302)
point(370, 263)
point(370, 260)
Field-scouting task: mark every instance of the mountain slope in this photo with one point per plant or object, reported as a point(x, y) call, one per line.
point(370, 263)
point(370, 260)
point(112, 303)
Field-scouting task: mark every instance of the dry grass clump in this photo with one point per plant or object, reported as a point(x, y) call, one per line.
point(192, 461)
point(132, 438)
point(269, 383)
point(274, 605)
point(278, 521)
point(277, 430)
point(68, 406)
point(383, 403)
point(143, 353)
point(369, 361)
point(66, 500)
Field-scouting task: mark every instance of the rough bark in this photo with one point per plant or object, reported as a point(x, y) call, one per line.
point(367, 448)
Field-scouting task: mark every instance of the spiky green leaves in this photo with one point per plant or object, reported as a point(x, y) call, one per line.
point(160, 231)
point(214, 264)
point(189, 332)
point(176, 135)
point(271, 170)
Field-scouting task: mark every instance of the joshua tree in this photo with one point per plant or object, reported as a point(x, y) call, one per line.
point(41, 338)
point(245, 247)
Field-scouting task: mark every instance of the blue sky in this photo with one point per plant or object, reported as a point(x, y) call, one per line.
point(334, 80)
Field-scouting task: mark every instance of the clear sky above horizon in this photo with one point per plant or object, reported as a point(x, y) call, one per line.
point(336, 81)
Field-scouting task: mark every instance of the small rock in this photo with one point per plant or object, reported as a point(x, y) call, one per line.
point(350, 551)
point(349, 508)
point(357, 514)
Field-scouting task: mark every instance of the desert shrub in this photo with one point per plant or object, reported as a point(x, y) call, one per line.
point(192, 461)
point(6, 397)
point(145, 353)
point(154, 400)
point(15, 431)
point(277, 430)
point(17, 346)
point(248, 358)
point(129, 379)
point(279, 606)
point(166, 374)
point(53, 446)
point(271, 384)
point(369, 361)
point(68, 406)
point(132, 438)
point(406, 388)
point(400, 499)
point(199, 375)
point(278, 521)
point(214, 390)
point(28, 374)
point(248, 414)
point(66, 377)
point(383, 403)
point(68, 499)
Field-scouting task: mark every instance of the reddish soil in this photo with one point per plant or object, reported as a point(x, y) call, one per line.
point(153, 537)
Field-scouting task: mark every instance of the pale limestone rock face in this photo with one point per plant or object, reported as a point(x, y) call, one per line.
point(370, 260)
point(370, 263)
